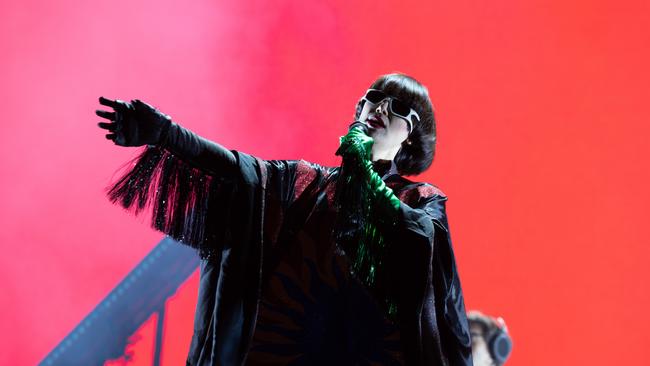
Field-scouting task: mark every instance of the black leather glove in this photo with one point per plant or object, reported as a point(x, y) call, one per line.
point(138, 123)
point(133, 124)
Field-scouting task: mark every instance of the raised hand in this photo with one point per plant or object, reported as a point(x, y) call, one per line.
point(133, 124)
point(356, 150)
point(356, 144)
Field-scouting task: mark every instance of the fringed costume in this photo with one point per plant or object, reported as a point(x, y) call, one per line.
point(292, 274)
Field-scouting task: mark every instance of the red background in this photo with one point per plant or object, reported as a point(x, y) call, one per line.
point(542, 130)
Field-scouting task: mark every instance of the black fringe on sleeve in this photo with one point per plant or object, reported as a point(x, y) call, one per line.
point(189, 205)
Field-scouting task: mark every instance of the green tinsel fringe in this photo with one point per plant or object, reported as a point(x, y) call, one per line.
point(358, 234)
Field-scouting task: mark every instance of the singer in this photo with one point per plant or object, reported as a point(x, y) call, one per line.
point(304, 264)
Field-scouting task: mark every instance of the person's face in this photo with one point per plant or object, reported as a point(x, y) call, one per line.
point(387, 130)
point(480, 352)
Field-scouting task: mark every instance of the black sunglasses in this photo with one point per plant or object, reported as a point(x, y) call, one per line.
point(395, 106)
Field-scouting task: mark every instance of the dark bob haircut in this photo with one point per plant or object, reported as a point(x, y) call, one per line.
point(414, 157)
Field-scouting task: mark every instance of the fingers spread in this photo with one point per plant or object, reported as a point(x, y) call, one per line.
point(107, 115)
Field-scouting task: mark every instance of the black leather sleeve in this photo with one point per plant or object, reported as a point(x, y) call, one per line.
point(200, 152)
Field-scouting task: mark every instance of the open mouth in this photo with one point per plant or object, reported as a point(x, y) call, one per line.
point(375, 122)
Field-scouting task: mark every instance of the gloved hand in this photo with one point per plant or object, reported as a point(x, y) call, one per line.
point(138, 123)
point(356, 149)
point(356, 144)
point(133, 124)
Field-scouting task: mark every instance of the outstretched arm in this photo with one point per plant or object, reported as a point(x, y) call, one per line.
point(186, 180)
point(138, 123)
point(200, 193)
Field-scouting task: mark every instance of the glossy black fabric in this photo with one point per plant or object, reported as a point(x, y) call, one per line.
point(259, 213)
point(229, 285)
point(437, 331)
point(433, 329)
